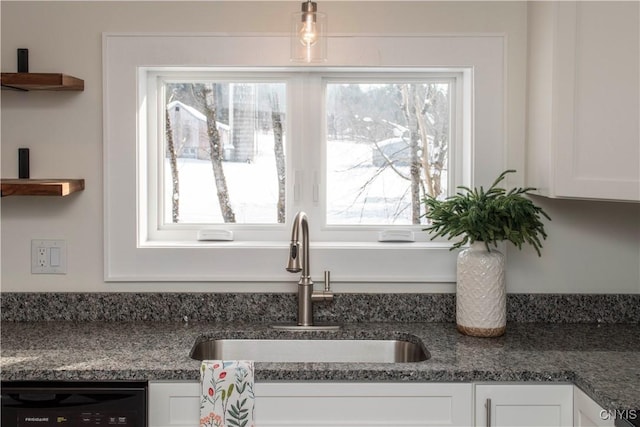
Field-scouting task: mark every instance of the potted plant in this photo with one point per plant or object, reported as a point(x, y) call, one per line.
point(482, 219)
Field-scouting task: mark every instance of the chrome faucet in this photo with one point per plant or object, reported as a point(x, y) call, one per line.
point(299, 263)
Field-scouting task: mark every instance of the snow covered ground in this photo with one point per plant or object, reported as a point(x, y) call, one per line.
point(357, 191)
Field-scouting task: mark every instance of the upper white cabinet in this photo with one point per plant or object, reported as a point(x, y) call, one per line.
point(583, 138)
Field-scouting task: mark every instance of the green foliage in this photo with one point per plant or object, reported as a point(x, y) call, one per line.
point(487, 216)
point(237, 415)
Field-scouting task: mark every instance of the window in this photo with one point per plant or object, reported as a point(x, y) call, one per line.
point(217, 149)
point(221, 150)
point(388, 144)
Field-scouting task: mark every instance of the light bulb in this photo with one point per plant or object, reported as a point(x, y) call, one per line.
point(308, 33)
point(308, 36)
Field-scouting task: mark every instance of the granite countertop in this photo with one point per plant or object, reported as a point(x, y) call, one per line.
point(603, 360)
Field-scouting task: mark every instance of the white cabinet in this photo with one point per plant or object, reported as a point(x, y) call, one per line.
point(583, 138)
point(319, 404)
point(174, 404)
point(308, 404)
point(512, 405)
point(363, 404)
point(587, 413)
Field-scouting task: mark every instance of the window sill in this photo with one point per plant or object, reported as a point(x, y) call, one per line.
point(249, 262)
point(285, 244)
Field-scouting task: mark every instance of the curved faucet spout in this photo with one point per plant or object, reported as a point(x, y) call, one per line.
point(299, 259)
point(299, 262)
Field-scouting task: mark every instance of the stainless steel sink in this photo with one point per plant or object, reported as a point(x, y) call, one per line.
point(307, 350)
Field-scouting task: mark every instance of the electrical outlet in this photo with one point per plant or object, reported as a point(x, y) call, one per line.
point(42, 257)
point(48, 257)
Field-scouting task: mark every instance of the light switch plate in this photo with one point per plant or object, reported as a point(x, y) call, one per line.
point(48, 257)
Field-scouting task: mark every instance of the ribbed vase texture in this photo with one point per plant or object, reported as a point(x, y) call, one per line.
point(481, 303)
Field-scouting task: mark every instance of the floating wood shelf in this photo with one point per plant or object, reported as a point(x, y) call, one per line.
point(41, 81)
point(41, 187)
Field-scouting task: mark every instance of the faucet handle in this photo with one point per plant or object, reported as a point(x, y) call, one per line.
point(327, 281)
point(325, 295)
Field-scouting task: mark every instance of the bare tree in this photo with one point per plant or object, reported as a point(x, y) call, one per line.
point(204, 94)
point(278, 148)
point(173, 161)
point(409, 107)
point(425, 115)
point(436, 123)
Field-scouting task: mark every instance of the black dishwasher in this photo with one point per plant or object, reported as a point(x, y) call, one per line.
point(73, 404)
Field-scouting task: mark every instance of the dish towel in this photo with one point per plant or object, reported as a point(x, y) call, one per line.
point(227, 393)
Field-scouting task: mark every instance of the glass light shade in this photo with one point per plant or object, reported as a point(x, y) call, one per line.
point(308, 34)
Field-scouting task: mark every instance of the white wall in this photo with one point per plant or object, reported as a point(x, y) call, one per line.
point(593, 246)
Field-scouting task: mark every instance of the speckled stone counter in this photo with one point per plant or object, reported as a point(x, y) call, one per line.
point(281, 307)
point(603, 360)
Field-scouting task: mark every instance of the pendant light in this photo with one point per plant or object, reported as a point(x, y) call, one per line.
point(308, 34)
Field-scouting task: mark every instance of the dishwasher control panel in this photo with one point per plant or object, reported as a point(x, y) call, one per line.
point(74, 404)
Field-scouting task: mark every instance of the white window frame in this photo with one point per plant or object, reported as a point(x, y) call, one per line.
point(312, 146)
point(369, 233)
point(155, 231)
point(479, 59)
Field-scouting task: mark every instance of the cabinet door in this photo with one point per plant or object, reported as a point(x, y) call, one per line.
point(516, 405)
point(587, 413)
point(177, 404)
point(174, 404)
point(600, 155)
point(583, 102)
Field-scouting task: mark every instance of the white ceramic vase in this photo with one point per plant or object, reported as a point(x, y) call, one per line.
point(481, 303)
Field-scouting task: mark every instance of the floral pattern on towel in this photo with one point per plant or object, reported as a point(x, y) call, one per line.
point(227, 393)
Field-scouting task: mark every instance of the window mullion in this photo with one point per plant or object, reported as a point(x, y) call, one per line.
point(311, 145)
